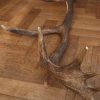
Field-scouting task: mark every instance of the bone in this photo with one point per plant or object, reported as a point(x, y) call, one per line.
point(87, 47)
point(73, 77)
point(3, 27)
point(31, 33)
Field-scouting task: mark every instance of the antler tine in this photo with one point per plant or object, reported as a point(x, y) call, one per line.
point(76, 63)
point(79, 59)
point(42, 49)
point(81, 56)
point(31, 33)
point(65, 29)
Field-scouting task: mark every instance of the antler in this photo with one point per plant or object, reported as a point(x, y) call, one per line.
point(62, 30)
point(71, 76)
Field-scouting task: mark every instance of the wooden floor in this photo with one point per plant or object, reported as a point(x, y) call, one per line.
point(21, 77)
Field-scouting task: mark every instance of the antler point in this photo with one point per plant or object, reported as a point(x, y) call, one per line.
point(87, 47)
point(3, 27)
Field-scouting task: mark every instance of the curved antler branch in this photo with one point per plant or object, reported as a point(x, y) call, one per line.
point(31, 33)
point(65, 28)
point(62, 30)
point(74, 78)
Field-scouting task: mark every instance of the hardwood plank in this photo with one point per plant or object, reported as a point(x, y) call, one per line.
point(29, 18)
point(96, 59)
point(12, 12)
point(38, 21)
point(15, 64)
point(91, 6)
point(85, 33)
point(30, 91)
point(3, 3)
point(20, 15)
point(90, 41)
point(7, 97)
point(5, 12)
point(81, 4)
point(88, 24)
point(81, 13)
point(98, 11)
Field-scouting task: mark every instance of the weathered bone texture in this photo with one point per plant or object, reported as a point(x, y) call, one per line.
point(71, 75)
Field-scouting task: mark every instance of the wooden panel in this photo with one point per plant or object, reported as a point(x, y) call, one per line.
point(80, 3)
point(29, 18)
point(7, 97)
point(30, 91)
point(19, 54)
point(98, 11)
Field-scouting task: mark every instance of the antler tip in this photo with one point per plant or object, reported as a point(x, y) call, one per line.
point(40, 34)
point(39, 28)
point(87, 47)
point(3, 27)
point(92, 98)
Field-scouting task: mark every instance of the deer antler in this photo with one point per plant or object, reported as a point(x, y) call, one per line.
point(62, 30)
point(72, 75)
point(73, 78)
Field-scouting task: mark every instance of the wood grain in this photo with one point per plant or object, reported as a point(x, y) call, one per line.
point(21, 76)
point(30, 91)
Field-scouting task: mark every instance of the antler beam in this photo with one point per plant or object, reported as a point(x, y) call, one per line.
point(71, 75)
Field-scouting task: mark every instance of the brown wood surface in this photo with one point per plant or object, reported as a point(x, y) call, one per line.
point(21, 76)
